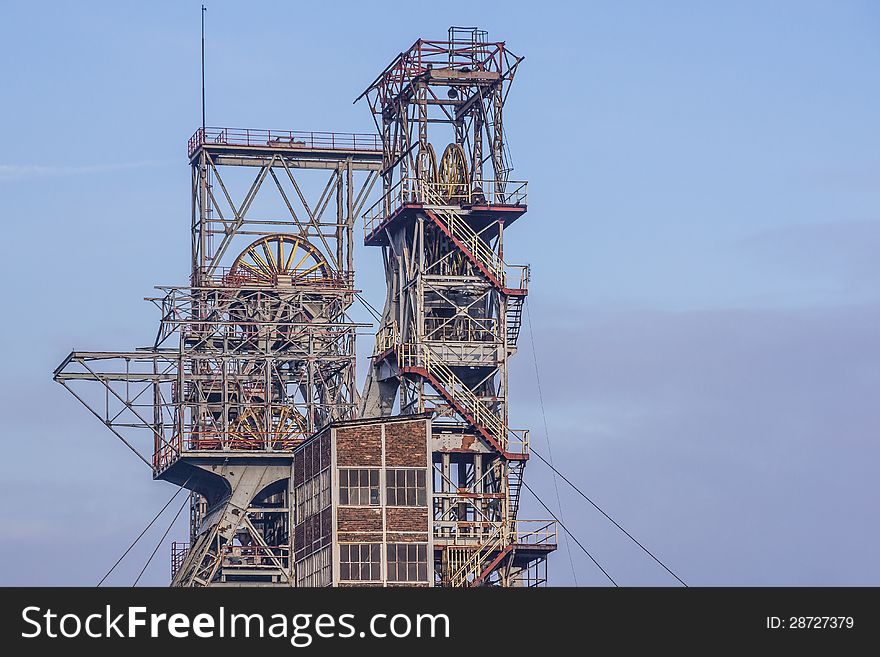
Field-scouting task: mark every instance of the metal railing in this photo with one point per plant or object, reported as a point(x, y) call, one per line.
point(476, 53)
point(517, 277)
point(386, 338)
point(237, 440)
point(417, 191)
point(255, 556)
point(431, 195)
point(165, 455)
point(244, 440)
point(467, 533)
point(518, 441)
point(240, 277)
point(461, 230)
point(179, 551)
point(461, 328)
point(285, 139)
point(533, 532)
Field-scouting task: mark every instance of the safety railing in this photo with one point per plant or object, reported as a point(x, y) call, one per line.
point(245, 440)
point(240, 277)
point(517, 277)
point(533, 532)
point(285, 139)
point(434, 197)
point(518, 441)
point(460, 532)
point(179, 551)
point(461, 328)
point(386, 338)
point(236, 440)
point(467, 558)
point(417, 191)
point(255, 556)
point(165, 455)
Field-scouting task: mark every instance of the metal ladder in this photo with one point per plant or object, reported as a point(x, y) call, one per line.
point(514, 321)
point(514, 485)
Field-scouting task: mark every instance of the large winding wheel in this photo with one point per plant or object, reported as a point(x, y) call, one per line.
point(426, 165)
point(280, 259)
point(452, 175)
point(264, 315)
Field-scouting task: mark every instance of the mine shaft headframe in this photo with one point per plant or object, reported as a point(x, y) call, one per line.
point(465, 59)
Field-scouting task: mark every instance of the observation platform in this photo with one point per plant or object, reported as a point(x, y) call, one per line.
point(527, 542)
point(250, 143)
point(493, 202)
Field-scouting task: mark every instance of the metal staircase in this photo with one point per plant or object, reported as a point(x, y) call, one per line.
point(467, 564)
point(514, 321)
point(450, 220)
point(514, 485)
point(418, 359)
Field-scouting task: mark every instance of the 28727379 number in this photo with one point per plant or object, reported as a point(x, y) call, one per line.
point(810, 623)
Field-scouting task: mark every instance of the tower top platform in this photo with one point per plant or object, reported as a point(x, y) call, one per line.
point(250, 142)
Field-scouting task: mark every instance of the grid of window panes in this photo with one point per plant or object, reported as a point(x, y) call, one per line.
point(312, 496)
point(360, 561)
point(405, 487)
point(407, 562)
point(358, 487)
point(314, 570)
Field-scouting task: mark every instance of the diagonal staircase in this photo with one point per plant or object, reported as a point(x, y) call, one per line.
point(418, 359)
point(449, 219)
point(467, 565)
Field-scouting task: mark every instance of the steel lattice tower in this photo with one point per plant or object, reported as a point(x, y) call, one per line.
point(453, 308)
point(253, 356)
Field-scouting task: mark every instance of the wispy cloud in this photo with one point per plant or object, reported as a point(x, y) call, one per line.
point(16, 172)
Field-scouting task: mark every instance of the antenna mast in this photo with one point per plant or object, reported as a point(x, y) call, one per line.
point(204, 9)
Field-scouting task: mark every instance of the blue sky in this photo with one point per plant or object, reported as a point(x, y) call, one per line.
point(703, 232)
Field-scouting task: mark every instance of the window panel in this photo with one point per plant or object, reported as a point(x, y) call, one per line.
point(314, 570)
point(359, 487)
point(407, 562)
point(406, 487)
point(312, 496)
point(359, 561)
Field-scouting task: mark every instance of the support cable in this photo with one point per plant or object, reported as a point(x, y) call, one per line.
point(547, 436)
point(549, 464)
point(141, 535)
point(609, 518)
point(161, 540)
point(370, 308)
point(561, 524)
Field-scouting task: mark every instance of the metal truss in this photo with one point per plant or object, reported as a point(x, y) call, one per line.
point(453, 305)
point(255, 354)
